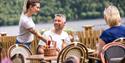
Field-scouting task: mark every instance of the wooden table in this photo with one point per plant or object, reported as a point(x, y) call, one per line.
point(91, 56)
point(42, 57)
point(50, 58)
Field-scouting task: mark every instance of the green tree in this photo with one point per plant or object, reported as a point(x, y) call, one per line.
point(10, 10)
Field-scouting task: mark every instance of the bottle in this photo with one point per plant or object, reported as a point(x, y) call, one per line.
point(48, 43)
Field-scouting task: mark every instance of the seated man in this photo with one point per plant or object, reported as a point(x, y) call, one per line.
point(56, 34)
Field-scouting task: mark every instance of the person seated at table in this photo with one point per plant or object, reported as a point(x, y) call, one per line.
point(72, 59)
point(56, 34)
point(115, 30)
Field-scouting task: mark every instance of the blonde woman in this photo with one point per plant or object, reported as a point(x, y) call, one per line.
point(115, 30)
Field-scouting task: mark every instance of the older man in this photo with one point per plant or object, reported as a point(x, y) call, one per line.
point(56, 34)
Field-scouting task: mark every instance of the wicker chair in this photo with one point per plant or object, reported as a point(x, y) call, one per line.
point(77, 49)
point(18, 53)
point(121, 40)
point(113, 52)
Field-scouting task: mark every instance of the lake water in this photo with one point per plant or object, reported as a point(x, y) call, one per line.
point(74, 25)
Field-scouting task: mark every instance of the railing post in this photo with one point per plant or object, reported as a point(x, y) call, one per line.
point(0, 51)
point(3, 34)
point(88, 27)
point(88, 35)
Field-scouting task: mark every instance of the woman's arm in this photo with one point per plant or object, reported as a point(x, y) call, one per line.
point(99, 46)
point(38, 34)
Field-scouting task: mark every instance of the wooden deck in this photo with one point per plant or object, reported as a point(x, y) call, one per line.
point(88, 36)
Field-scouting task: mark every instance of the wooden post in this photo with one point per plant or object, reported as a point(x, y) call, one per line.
point(3, 34)
point(88, 27)
point(88, 31)
point(0, 51)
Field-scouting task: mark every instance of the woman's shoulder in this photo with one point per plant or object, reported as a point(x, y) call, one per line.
point(123, 26)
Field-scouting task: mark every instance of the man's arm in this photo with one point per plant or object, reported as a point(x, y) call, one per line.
point(64, 44)
point(37, 34)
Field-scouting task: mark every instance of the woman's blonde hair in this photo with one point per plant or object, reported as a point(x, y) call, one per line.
point(112, 15)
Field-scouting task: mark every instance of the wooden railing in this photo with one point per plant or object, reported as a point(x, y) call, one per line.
point(88, 36)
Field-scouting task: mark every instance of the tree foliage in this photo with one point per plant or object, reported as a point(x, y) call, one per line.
point(10, 10)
